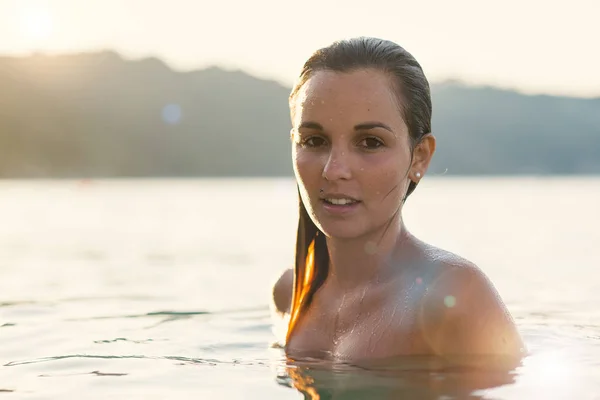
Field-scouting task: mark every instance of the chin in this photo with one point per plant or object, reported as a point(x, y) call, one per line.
point(341, 229)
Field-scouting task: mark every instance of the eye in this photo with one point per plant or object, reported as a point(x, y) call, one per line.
point(370, 143)
point(313, 141)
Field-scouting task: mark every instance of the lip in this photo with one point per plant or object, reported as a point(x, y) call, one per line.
point(339, 209)
point(337, 196)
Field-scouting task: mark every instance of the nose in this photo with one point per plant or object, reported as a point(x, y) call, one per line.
point(337, 165)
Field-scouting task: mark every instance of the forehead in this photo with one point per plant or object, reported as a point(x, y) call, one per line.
point(363, 94)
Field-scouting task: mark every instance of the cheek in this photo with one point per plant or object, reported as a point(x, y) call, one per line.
point(307, 166)
point(386, 180)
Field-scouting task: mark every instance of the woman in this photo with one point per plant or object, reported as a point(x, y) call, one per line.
point(363, 287)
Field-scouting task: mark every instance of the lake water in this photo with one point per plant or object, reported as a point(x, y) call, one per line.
point(155, 289)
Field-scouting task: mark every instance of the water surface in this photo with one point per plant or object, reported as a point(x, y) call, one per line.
point(152, 289)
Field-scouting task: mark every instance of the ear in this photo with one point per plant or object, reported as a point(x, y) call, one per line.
point(422, 155)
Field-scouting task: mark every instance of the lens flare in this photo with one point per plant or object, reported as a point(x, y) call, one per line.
point(171, 114)
point(450, 301)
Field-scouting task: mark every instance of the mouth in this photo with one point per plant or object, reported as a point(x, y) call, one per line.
point(339, 206)
point(340, 202)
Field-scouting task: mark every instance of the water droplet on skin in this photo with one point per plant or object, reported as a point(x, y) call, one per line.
point(450, 301)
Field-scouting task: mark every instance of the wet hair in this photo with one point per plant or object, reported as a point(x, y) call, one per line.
point(414, 99)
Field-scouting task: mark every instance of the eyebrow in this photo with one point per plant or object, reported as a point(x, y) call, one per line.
point(360, 127)
point(311, 125)
point(371, 125)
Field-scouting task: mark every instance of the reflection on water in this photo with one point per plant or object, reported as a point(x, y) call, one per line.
point(563, 365)
point(402, 377)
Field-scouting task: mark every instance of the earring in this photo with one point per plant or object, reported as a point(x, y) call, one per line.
point(418, 175)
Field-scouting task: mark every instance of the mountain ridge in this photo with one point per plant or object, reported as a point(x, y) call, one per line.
point(97, 114)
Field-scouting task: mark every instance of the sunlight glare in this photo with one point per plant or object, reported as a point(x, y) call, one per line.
point(554, 369)
point(36, 24)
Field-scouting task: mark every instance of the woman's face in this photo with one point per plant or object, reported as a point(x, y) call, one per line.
point(351, 151)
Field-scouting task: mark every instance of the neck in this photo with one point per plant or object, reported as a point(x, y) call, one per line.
point(366, 259)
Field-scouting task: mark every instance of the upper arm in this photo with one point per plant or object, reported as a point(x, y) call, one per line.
point(465, 315)
point(282, 292)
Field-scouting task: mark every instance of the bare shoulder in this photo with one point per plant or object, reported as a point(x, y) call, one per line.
point(462, 312)
point(282, 292)
point(455, 280)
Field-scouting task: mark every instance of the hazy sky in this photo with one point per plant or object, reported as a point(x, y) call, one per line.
point(536, 46)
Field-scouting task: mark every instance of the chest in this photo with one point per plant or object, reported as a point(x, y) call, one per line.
point(358, 330)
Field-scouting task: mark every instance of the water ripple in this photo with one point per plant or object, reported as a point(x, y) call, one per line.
point(176, 314)
point(123, 340)
point(97, 373)
point(16, 303)
point(170, 314)
point(186, 360)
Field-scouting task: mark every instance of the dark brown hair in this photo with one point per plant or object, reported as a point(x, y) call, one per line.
point(413, 95)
